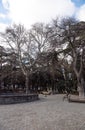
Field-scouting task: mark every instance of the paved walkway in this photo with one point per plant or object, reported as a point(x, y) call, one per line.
point(49, 113)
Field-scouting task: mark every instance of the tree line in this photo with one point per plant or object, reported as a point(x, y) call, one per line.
point(47, 56)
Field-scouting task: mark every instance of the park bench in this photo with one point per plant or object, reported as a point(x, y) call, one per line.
point(46, 93)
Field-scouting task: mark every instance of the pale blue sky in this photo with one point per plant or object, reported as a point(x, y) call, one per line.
point(79, 3)
point(28, 12)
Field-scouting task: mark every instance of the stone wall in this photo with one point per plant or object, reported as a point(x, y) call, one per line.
point(11, 99)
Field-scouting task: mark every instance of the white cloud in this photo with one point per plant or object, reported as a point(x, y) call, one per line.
point(3, 27)
point(28, 12)
point(81, 13)
point(2, 16)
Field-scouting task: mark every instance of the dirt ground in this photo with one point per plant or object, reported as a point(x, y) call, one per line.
point(48, 113)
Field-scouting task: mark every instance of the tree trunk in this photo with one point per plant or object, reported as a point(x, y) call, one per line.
point(79, 75)
point(27, 84)
point(81, 91)
point(81, 88)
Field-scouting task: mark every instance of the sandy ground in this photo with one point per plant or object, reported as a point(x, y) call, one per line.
point(48, 113)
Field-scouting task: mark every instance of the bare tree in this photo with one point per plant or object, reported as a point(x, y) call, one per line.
point(40, 36)
point(17, 37)
point(27, 45)
point(73, 42)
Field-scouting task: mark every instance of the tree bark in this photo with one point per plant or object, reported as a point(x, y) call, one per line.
point(27, 84)
point(81, 88)
point(80, 79)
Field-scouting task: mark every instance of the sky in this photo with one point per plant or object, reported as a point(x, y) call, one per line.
point(29, 12)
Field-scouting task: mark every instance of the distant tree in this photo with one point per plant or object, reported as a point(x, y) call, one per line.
point(2, 61)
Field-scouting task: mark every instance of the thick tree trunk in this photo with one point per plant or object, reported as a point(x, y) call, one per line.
point(81, 91)
point(81, 88)
point(79, 75)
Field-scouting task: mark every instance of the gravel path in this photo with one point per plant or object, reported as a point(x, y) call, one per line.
point(49, 113)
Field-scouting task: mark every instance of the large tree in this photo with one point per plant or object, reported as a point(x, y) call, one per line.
point(27, 45)
point(72, 34)
point(17, 39)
